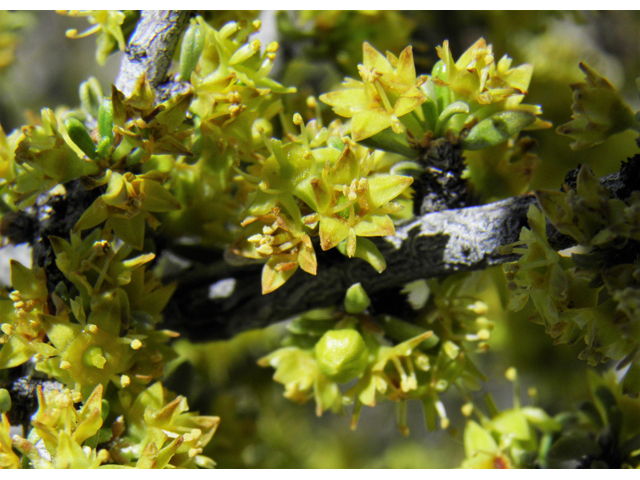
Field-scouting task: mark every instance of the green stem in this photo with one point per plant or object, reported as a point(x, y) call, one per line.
point(399, 330)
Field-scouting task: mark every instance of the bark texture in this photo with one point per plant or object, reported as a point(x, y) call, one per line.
point(151, 48)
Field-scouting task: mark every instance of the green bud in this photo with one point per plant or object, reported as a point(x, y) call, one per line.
point(79, 135)
point(192, 47)
point(105, 410)
point(105, 119)
point(5, 400)
point(342, 355)
point(357, 300)
point(496, 129)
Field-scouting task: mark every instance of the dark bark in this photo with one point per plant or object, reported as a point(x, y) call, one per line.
point(433, 245)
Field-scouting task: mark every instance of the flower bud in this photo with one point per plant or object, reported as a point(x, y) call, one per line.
point(342, 355)
point(356, 300)
point(5, 401)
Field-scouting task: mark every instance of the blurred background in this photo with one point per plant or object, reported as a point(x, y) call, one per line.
point(259, 427)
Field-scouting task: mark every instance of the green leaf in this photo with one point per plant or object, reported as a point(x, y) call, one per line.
point(631, 381)
point(497, 128)
point(192, 47)
point(129, 230)
point(452, 109)
point(97, 213)
point(389, 141)
point(157, 198)
point(573, 447)
point(367, 251)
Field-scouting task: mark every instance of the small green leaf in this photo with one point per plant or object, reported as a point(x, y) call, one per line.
point(573, 447)
point(129, 230)
point(497, 128)
point(79, 135)
point(5, 401)
point(192, 47)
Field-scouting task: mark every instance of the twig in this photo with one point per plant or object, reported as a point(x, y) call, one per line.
point(151, 48)
point(433, 245)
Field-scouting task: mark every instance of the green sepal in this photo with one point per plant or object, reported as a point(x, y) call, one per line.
point(477, 439)
point(497, 128)
point(30, 283)
point(513, 423)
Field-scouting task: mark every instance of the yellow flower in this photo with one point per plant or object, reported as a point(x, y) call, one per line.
point(351, 203)
point(281, 241)
point(389, 90)
point(476, 76)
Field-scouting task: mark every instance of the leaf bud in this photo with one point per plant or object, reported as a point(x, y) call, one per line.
point(105, 119)
point(192, 47)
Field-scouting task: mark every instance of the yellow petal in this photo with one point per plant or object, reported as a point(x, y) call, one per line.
point(374, 226)
point(367, 123)
point(332, 232)
point(374, 59)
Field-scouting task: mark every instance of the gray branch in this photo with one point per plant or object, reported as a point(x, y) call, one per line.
point(151, 48)
point(433, 245)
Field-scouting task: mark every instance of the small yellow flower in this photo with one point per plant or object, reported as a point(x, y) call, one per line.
point(477, 77)
point(389, 90)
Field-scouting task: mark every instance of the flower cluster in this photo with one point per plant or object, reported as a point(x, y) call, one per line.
point(319, 184)
point(326, 348)
point(475, 100)
point(111, 26)
point(593, 435)
point(591, 295)
point(598, 111)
